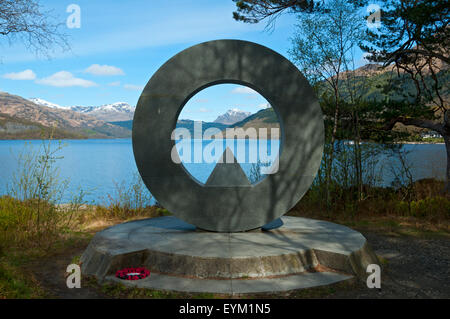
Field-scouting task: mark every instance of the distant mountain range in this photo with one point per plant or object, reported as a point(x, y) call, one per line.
point(22, 118)
point(119, 111)
point(232, 116)
point(189, 124)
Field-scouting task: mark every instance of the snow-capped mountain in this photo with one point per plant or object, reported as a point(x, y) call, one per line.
point(119, 111)
point(43, 102)
point(232, 116)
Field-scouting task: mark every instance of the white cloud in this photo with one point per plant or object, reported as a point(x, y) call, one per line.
point(107, 70)
point(133, 87)
point(264, 106)
point(65, 79)
point(203, 110)
point(24, 75)
point(117, 83)
point(243, 90)
point(201, 101)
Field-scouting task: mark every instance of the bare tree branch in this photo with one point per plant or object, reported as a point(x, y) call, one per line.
point(25, 21)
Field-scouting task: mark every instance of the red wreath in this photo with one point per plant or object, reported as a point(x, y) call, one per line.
point(133, 273)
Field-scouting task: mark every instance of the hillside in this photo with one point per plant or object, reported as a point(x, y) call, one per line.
point(125, 124)
point(17, 111)
point(12, 128)
point(373, 83)
point(266, 118)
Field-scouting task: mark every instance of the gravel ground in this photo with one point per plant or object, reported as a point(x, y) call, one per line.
point(415, 268)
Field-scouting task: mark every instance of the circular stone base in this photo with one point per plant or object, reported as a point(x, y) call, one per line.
point(302, 253)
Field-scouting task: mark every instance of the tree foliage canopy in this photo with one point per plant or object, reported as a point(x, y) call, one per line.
point(410, 29)
point(254, 11)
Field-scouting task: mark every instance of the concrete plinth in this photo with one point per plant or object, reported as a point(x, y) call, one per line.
point(302, 253)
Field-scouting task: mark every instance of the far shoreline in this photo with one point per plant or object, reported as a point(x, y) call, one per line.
point(441, 143)
point(237, 138)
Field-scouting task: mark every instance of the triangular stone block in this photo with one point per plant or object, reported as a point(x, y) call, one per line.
point(228, 172)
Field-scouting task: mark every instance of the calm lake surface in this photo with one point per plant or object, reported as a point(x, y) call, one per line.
point(98, 165)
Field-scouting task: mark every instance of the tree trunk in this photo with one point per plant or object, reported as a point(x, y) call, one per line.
point(447, 177)
point(333, 139)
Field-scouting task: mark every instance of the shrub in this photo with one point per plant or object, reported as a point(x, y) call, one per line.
point(31, 214)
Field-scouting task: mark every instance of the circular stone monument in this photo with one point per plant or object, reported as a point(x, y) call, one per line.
point(279, 253)
point(238, 207)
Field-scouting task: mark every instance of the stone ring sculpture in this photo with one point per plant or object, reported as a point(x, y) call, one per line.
point(237, 207)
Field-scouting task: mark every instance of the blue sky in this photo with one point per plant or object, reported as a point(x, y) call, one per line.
point(122, 43)
point(207, 104)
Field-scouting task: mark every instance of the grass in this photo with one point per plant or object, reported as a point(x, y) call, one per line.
point(14, 283)
point(19, 253)
point(115, 290)
point(386, 210)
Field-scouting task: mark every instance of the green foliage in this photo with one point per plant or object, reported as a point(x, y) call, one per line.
point(432, 140)
point(347, 184)
point(14, 284)
point(414, 37)
point(436, 207)
point(118, 290)
point(32, 214)
point(15, 220)
point(129, 198)
point(163, 212)
point(410, 28)
point(36, 176)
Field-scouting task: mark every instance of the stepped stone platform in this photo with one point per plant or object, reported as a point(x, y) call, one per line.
point(302, 253)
